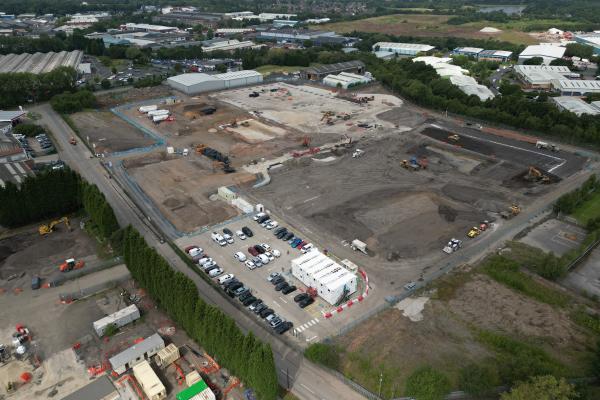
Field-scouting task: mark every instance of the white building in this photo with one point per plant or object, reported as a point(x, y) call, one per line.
point(547, 52)
point(345, 80)
point(576, 105)
point(569, 87)
point(470, 86)
point(126, 359)
point(118, 319)
point(541, 76)
point(332, 281)
point(195, 83)
point(229, 45)
point(148, 28)
point(405, 49)
point(151, 385)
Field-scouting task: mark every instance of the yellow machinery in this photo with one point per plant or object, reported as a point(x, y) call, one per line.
point(47, 229)
point(473, 232)
point(454, 138)
point(535, 174)
point(515, 209)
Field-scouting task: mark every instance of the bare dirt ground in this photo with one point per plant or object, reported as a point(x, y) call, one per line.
point(446, 337)
point(181, 187)
point(108, 133)
point(112, 99)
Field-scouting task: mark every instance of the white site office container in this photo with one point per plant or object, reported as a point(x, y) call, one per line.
point(158, 112)
point(297, 262)
point(148, 380)
point(332, 291)
point(147, 348)
point(158, 118)
point(119, 319)
point(145, 109)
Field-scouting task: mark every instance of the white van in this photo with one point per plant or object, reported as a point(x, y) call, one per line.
point(195, 252)
point(307, 247)
point(259, 215)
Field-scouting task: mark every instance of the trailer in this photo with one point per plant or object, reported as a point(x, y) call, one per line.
point(145, 109)
point(359, 246)
point(159, 118)
point(117, 319)
point(158, 112)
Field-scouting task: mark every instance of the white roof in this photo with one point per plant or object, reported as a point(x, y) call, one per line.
point(9, 116)
point(109, 319)
point(150, 383)
point(340, 281)
point(592, 38)
point(247, 73)
point(431, 60)
point(149, 27)
point(404, 46)
point(576, 105)
point(503, 53)
point(489, 29)
point(539, 74)
point(462, 80)
point(445, 70)
point(192, 78)
point(469, 49)
point(576, 84)
point(478, 90)
point(383, 54)
point(543, 51)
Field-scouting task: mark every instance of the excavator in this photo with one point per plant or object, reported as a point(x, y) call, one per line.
point(512, 211)
point(535, 174)
point(200, 148)
point(49, 228)
point(70, 264)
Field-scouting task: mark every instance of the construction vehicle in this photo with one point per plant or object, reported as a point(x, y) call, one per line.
point(534, 174)
point(200, 148)
point(484, 225)
point(473, 232)
point(546, 146)
point(512, 211)
point(49, 228)
point(306, 141)
point(70, 264)
point(454, 137)
point(358, 153)
point(452, 246)
point(327, 115)
point(358, 245)
point(73, 141)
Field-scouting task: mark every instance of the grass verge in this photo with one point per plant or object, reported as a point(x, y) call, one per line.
point(590, 209)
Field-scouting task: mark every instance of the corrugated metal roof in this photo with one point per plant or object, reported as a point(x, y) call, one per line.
point(404, 46)
point(192, 78)
point(247, 73)
point(543, 51)
point(97, 390)
point(136, 350)
point(331, 68)
point(9, 116)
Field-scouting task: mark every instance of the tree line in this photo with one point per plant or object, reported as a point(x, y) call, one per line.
point(68, 103)
point(45, 44)
point(568, 202)
point(18, 88)
point(244, 355)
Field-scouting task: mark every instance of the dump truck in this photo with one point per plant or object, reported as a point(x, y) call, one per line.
point(148, 108)
point(473, 232)
point(359, 246)
point(546, 146)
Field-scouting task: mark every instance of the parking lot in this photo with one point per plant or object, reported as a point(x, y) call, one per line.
point(309, 323)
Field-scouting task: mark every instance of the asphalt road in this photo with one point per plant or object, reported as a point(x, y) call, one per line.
point(305, 379)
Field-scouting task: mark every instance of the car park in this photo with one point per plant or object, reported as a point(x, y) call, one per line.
point(306, 302)
point(247, 231)
point(240, 235)
point(263, 259)
point(252, 251)
point(225, 278)
point(281, 285)
point(250, 264)
point(299, 297)
point(295, 242)
point(240, 256)
point(289, 289)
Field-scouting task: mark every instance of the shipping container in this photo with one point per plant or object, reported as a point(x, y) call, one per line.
point(149, 382)
point(145, 109)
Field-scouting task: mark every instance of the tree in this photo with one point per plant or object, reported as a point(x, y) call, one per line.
point(562, 62)
point(222, 68)
point(178, 68)
point(322, 353)
point(425, 383)
point(542, 388)
point(133, 53)
point(579, 50)
point(478, 380)
point(105, 84)
point(28, 129)
point(113, 69)
point(534, 61)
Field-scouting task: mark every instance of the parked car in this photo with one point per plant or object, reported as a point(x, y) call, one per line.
point(227, 231)
point(307, 247)
point(284, 327)
point(208, 269)
point(277, 280)
point(272, 276)
point(249, 300)
point(263, 259)
point(247, 231)
point(188, 248)
point(272, 224)
point(276, 253)
point(265, 223)
point(260, 308)
point(255, 304)
point(277, 231)
point(266, 312)
point(275, 322)
point(288, 236)
point(270, 256)
point(257, 262)
point(235, 286)
point(259, 249)
point(281, 285)
point(300, 245)
point(204, 260)
point(244, 296)
point(288, 289)
point(215, 272)
point(282, 234)
point(250, 264)
point(241, 235)
point(252, 251)
point(306, 302)
point(302, 296)
point(36, 282)
point(258, 216)
point(240, 256)
point(241, 290)
point(228, 238)
point(265, 246)
point(410, 286)
point(225, 278)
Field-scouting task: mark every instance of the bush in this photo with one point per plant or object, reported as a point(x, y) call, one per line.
point(425, 383)
point(68, 103)
point(28, 129)
point(324, 354)
point(478, 380)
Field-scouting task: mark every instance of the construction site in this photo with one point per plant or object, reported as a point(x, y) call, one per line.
point(66, 321)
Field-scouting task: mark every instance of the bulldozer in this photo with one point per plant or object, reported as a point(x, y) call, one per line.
point(512, 211)
point(49, 228)
point(70, 264)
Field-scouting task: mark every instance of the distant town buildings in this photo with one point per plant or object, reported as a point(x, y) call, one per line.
point(301, 36)
point(320, 72)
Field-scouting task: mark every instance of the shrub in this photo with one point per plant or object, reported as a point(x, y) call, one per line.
point(425, 383)
point(28, 129)
point(478, 380)
point(324, 354)
point(68, 103)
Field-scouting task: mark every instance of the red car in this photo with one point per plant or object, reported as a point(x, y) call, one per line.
point(252, 251)
point(302, 243)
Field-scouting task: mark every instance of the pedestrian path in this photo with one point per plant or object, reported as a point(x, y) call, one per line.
point(307, 325)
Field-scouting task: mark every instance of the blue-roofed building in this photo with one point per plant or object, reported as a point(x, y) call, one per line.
point(467, 51)
point(495, 55)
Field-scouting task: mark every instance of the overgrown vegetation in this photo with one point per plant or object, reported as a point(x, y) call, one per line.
point(426, 383)
point(18, 88)
point(148, 81)
point(542, 387)
point(69, 103)
point(479, 380)
point(324, 354)
point(29, 130)
point(570, 202)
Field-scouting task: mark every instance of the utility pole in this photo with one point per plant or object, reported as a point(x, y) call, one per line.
point(287, 375)
point(380, 382)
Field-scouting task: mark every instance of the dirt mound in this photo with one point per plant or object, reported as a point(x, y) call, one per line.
point(447, 212)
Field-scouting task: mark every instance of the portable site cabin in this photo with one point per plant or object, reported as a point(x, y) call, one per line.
point(119, 319)
point(128, 358)
point(198, 391)
point(149, 382)
point(166, 356)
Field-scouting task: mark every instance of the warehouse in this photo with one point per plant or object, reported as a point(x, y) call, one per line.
point(320, 72)
point(118, 319)
point(100, 389)
point(576, 105)
point(345, 80)
point(151, 385)
point(136, 353)
point(230, 45)
point(494, 55)
point(541, 76)
point(39, 63)
point(568, 87)
point(195, 83)
point(470, 86)
point(404, 49)
point(590, 39)
point(197, 391)
point(332, 281)
point(547, 52)
point(467, 51)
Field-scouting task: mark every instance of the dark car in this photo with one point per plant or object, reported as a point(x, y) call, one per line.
point(281, 285)
point(266, 312)
point(245, 296)
point(253, 251)
point(288, 236)
point(279, 230)
point(282, 233)
point(36, 282)
point(288, 289)
point(230, 283)
point(235, 286)
point(248, 300)
point(259, 249)
point(284, 327)
point(306, 302)
point(247, 231)
point(299, 297)
point(263, 219)
point(301, 244)
point(227, 232)
point(277, 280)
point(259, 308)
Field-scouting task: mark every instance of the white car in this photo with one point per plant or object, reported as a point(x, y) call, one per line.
point(225, 278)
point(265, 223)
point(208, 265)
point(228, 238)
point(204, 260)
point(264, 259)
point(250, 264)
point(240, 256)
point(241, 235)
point(215, 272)
point(196, 251)
point(257, 216)
point(276, 253)
point(269, 256)
point(272, 224)
point(218, 239)
point(265, 246)
point(307, 247)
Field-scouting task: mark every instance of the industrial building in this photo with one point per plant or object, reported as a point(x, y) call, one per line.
point(230, 45)
point(298, 36)
point(495, 55)
point(576, 105)
point(11, 116)
point(149, 382)
point(470, 86)
point(569, 87)
point(99, 389)
point(136, 353)
point(541, 76)
point(467, 51)
point(318, 73)
point(197, 391)
point(39, 63)
point(403, 49)
point(148, 28)
point(333, 282)
point(590, 39)
point(118, 319)
point(345, 80)
point(195, 83)
point(547, 52)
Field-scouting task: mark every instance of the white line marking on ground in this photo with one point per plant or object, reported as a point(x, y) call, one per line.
point(281, 298)
point(10, 169)
point(306, 387)
point(18, 166)
point(276, 304)
point(312, 198)
point(311, 339)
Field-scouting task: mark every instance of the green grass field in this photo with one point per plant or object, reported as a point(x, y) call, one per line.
point(588, 210)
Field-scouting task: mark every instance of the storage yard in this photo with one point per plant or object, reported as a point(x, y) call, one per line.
point(39, 63)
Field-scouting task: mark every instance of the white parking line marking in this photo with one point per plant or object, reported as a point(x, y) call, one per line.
point(18, 166)
point(10, 169)
point(306, 387)
point(281, 298)
point(311, 339)
point(274, 302)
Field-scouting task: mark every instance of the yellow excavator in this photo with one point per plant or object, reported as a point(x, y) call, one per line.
point(49, 228)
